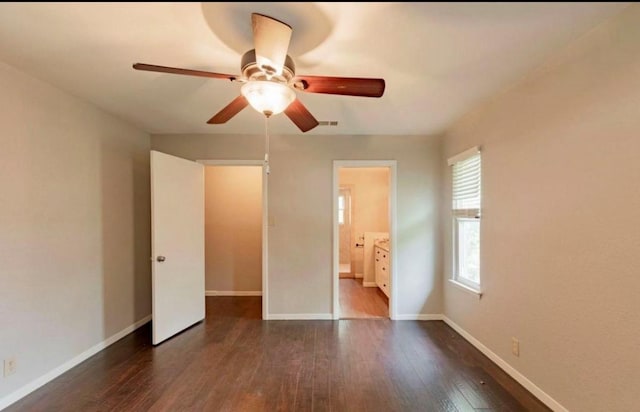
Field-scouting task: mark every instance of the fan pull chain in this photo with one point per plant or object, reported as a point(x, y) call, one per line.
point(266, 145)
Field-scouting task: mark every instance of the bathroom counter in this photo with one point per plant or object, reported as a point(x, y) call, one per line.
point(382, 265)
point(382, 244)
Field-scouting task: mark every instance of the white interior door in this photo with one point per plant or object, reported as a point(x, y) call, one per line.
point(177, 244)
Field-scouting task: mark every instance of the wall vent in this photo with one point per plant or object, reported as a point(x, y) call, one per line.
point(328, 123)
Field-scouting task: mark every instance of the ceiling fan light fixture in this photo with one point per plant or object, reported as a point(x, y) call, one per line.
point(269, 78)
point(268, 97)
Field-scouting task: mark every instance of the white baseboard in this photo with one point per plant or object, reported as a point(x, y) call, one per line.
point(510, 370)
point(419, 316)
point(51, 375)
point(233, 293)
point(359, 275)
point(299, 316)
point(369, 284)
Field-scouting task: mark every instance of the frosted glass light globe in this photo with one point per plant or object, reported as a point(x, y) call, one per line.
point(268, 97)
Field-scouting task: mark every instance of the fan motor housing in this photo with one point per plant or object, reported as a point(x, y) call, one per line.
point(251, 71)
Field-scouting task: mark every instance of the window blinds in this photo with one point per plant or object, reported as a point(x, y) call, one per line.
point(466, 182)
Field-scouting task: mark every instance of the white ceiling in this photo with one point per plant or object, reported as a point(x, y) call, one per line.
point(439, 60)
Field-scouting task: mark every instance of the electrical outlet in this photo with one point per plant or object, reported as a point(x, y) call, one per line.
point(515, 346)
point(10, 366)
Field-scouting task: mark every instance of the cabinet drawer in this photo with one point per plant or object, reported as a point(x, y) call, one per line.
point(383, 274)
point(384, 287)
point(382, 269)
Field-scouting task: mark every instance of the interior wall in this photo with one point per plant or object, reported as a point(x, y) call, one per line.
point(370, 212)
point(561, 208)
point(300, 211)
point(346, 230)
point(75, 237)
point(233, 228)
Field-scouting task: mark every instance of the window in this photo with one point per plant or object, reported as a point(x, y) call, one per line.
point(466, 194)
point(341, 207)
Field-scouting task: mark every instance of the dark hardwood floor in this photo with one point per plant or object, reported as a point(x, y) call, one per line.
point(234, 361)
point(358, 302)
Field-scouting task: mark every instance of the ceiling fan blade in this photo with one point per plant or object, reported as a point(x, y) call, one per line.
point(349, 86)
point(271, 40)
point(229, 111)
point(299, 115)
point(188, 72)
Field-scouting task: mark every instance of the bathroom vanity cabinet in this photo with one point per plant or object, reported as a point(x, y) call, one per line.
point(382, 266)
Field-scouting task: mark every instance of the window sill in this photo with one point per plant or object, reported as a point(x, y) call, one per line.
point(466, 288)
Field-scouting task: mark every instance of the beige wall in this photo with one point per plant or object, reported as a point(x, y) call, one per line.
point(74, 219)
point(370, 196)
point(300, 199)
point(560, 254)
point(233, 228)
point(347, 236)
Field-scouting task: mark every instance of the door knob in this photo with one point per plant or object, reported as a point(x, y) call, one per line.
point(160, 258)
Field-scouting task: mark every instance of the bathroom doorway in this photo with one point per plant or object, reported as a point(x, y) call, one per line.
point(364, 206)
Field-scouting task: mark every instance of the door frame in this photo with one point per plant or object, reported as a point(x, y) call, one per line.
point(265, 226)
point(393, 224)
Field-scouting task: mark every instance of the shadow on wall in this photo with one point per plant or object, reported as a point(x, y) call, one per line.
point(142, 233)
point(125, 219)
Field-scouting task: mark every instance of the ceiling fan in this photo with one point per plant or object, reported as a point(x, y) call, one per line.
point(270, 81)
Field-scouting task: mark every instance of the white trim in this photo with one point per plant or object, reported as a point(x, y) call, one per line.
point(510, 370)
point(265, 241)
point(369, 284)
point(265, 220)
point(300, 316)
point(335, 233)
point(231, 162)
point(393, 224)
point(420, 316)
point(233, 293)
point(464, 155)
point(51, 375)
point(466, 288)
point(393, 238)
point(359, 275)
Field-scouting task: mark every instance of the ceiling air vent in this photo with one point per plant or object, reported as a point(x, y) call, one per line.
point(328, 123)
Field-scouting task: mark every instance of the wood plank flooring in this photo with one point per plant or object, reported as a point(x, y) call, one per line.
point(358, 302)
point(234, 361)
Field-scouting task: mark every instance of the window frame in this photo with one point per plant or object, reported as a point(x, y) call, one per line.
point(458, 215)
point(456, 276)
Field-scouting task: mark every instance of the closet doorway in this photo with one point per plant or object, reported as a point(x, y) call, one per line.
point(364, 203)
point(235, 237)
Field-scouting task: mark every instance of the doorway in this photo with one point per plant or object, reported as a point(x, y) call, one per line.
point(235, 236)
point(178, 241)
point(364, 226)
